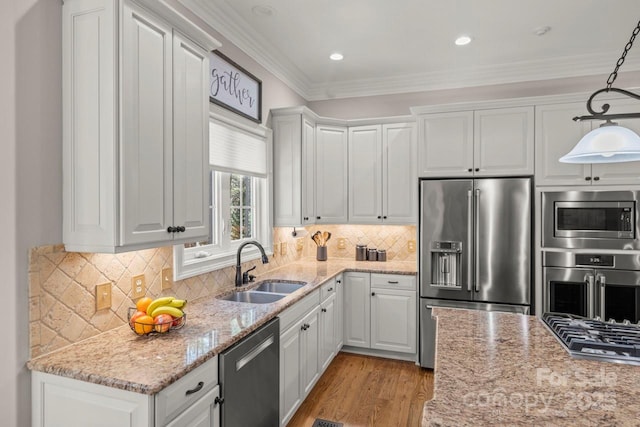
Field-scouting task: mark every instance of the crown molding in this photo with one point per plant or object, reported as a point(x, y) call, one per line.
point(230, 25)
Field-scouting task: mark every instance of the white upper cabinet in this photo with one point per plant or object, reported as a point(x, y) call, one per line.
point(135, 126)
point(492, 142)
point(331, 174)
point(557, 134)
point(382, 174)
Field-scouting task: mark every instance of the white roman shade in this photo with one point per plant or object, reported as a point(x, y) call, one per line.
point(236, 150)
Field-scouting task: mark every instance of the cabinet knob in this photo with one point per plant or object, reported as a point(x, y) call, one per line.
point(218, 400)
point(324, 310)
point(596, 178)
point(171, 229)
point(373, 294)
point(318, 217)
point(384, 217)
point(379, 217)
point(469, 170)
point(329, 290)
point(306, 218)
point(338, 281)
point(587, 178)
point(181, 229)
point(477, 169)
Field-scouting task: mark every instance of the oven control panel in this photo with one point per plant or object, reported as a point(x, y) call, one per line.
point(594, 260)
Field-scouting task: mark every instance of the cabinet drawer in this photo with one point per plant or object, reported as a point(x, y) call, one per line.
point(178, 396)
point(298, 310)
point(328, 289)
point(393, 281)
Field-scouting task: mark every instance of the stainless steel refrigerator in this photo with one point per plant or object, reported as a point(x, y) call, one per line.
point(475, 249)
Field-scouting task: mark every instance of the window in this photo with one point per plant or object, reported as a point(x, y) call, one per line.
point(239, 203)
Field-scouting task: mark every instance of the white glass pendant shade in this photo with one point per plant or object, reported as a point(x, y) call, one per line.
point(609, 143)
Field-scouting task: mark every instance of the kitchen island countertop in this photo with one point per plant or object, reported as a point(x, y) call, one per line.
point(508, 369)
point(147, 364)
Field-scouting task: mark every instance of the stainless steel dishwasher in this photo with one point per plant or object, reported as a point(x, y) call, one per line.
point(249, 379)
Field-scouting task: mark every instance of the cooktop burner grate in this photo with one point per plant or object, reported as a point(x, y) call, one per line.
point(590, 338)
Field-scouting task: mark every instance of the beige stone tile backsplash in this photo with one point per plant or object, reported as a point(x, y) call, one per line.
point(62, 284)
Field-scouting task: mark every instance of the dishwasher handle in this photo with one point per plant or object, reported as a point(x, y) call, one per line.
point(244, 360)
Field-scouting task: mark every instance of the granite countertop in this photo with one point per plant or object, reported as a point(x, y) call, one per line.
point(508, 369)
point(147, 364)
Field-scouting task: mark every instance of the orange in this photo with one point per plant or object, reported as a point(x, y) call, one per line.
point(143, 303)
point(143, 325)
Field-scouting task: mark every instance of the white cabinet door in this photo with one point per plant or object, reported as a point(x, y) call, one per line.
point(446, 144)
point(308, 172)
point(365, 174)
point(147, 132)
point(399, 174)
point(310, 355)
point(287, 176)
point(556, 134)
point(203, 413)
point(503, 141)
point(357, 303)
point(393, 320)
point(331, 175)
point(291, 366)
point(327, 331)
point(60, 401)
point(190, 129)
point(339, 326)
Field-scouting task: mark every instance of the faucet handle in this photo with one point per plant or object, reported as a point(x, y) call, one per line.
point(246, 277)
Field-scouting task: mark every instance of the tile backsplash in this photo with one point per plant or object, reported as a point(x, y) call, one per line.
point(62, 284)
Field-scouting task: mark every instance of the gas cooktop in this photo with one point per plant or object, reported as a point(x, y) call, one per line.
point(594, 339)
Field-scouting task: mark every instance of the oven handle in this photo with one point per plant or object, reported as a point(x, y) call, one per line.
point(601, 280)
point(589, 280)
point(469, 238)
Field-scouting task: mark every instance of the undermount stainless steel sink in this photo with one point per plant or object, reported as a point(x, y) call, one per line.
point(279, 287)
point(253, 297)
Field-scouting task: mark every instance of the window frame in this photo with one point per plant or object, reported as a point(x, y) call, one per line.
point(201, 259)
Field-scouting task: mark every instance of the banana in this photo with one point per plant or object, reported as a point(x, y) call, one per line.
point(157, 303)
point(178, 303)
point(165, 309)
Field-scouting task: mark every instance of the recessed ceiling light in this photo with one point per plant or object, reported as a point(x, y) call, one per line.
point(263, 10)
point(336, 56)
point(541, 31)
point(463, 40)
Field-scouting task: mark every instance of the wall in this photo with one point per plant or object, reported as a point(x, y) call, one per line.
point(399, 104)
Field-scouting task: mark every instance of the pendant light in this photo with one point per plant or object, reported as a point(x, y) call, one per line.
point(609, 143)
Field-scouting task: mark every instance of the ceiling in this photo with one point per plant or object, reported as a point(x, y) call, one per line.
point(408, 45)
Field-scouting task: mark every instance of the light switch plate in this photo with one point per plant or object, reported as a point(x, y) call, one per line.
point(103, 296)
point(167, 278)
point(299, 244)
point(138, 286)
point(283, 248)
point(411, 245)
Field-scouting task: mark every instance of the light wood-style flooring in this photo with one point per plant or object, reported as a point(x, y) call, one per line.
point(367, 391)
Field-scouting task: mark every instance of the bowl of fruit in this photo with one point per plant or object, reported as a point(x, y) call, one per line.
point(157, 316)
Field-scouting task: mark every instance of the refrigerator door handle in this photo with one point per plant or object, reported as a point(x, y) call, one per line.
point(469, 238)
point(476, 261)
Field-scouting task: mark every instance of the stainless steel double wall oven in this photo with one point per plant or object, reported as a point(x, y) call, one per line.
point(600, 275)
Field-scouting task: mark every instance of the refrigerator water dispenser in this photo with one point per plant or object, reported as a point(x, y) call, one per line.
point(446, 264)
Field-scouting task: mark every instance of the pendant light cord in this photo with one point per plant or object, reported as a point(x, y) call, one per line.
point(614, 75)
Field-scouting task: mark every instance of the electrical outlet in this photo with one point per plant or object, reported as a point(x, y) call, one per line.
point(411, 245)
point(342, 243)
point(138, 286)
point(167, 278)
point(299, 244)
point(283, 248)
point(276, 249)
point(103, 296)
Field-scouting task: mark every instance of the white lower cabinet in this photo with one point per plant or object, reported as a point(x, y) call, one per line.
point(190, 401)
point(381, 312)
point(327, 345)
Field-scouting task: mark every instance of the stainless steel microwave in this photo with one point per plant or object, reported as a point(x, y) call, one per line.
point(590, 219)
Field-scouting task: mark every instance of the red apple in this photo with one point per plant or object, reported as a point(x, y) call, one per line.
point(177, 322)
point(135, 316)
point(162, 322)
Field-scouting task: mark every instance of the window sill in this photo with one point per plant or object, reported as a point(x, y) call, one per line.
point(185, 268)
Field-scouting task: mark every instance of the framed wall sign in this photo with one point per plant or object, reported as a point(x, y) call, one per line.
point(234, 88)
